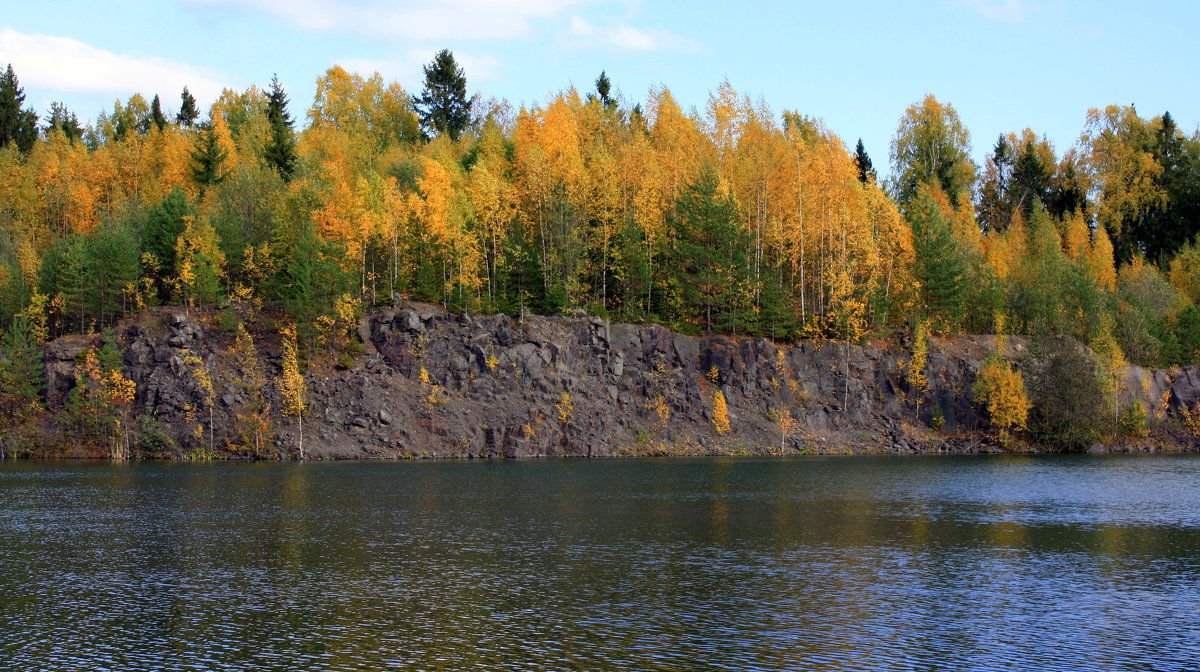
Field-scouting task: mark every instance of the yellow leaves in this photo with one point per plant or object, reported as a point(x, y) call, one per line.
point(916, 363)
point(720, 412)
point(436, 394)
point(564, 408)
point(1002, 390)
point(787, 424)
point(437, 193)
point(659, 407)
point(713, 375)
point(292, 387)
point(1184, 274)
point(1122, 173)
point(1100, 263)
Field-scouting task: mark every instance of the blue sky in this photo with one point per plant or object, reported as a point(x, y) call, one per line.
point(1003, 64)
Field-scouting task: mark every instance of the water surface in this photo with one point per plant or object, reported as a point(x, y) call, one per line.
point(928, 563)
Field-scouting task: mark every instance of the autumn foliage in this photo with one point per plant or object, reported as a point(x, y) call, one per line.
point(727, 218)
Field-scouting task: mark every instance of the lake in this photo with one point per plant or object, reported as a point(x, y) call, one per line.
point(849, 563)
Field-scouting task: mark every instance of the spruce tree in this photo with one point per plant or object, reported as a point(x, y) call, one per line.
point(156, 113)
point(310, 279)
point(64, 121)
point(280, 151)
point(1030, 180)
point(17, 126)
point(21, 381)
point(188, 112)
point(603, 89)
point(165, 224)
point(939, 267)
point(866, 170)
point(208, 158)
point(710, 253)
point(443, 104)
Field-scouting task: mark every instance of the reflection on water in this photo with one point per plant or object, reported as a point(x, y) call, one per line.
point(1047, 563)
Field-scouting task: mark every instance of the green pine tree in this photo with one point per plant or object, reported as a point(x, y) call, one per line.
point(310, 279)
point(188, 112)
point(64, 121)
point(17, 126)
point(156, 113)
point(866, 170)
point(603, 90)
point(710, 252)
point(443, 104)
point(208, 158)
point(165, 223)
point(21, 383)
point(113, 269)
point(939, 267)
point(280, 151)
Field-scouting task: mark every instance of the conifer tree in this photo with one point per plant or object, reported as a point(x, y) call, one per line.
point(866, 170)
point(280, 151)
point(64, 121)
point(21, 380)
point(711, 249)
point(188, 112)
point(443, 104)
point(208, 158)
point(156, 113)
point(603, 90)
point(939, 266)
point(164, 225)
point(310, 280)
point(18, 126)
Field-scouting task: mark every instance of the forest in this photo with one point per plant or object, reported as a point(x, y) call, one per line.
point(731, 219)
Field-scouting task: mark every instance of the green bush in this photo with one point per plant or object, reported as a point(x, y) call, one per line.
point(1132, 422)
point(1067, 395)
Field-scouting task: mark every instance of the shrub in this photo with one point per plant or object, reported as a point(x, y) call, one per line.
point(1002, 391)
point(1067, 394)
point(1132, 422)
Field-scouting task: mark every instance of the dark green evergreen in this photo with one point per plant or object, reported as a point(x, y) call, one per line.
point(443, 104)
point(310, 279)
point(18, 126)
point(866, 170)
point(1069, 408)
point(156, 113)
point(939, 266)
point(65, 274)
point(1166, 229)
point(208, 158)
point(280, 152)
point(164, 225)
point(603, 91)
point(113, 269)
point(188, 112)
point(64, 121)
point(1030, 180)
point(709, 255)
point(21, 384)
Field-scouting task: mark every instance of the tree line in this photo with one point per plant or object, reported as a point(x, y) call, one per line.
point(727, 219)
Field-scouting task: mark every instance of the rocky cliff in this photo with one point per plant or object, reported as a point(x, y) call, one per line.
point(434, 384)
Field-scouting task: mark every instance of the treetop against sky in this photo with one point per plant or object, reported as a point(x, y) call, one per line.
point(1004, 64)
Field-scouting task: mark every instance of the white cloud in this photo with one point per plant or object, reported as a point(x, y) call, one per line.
point(628, 38)
point(419, 20)
point(65, 65)
point(1012, 11)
